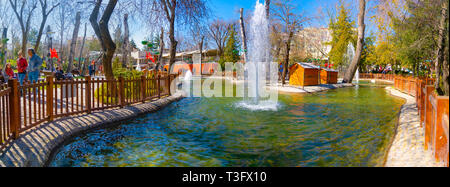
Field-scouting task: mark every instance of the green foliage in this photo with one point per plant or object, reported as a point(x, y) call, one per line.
point(107, 93)
point(368, 56)
point(415, 35)
point(32, 36)
point(342, 34)
point(151, 44)
point(231, 51)
point(133, 44)
point(119, 71)
point(93, 45)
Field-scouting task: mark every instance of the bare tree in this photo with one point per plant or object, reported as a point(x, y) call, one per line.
point(243, 34)
point(277, 41)
point(5, 17)
point(359, 46)
point(103, 35)
point(188, 12)
point(81, 68)
point(45, 13)
point(74, 41)
point(65, 15)
point(219, 31)
point(198, 34)
point(284, 11)
point(161, 49)
point(126, 42)
point(24, 12)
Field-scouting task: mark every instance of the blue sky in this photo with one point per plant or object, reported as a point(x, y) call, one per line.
point(228, 10)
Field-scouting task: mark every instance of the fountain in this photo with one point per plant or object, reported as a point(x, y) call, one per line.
point(259, 64)
point(357, 76)
point(187, 83)
point(348, 58)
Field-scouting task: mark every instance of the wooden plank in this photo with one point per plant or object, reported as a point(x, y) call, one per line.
point(14, 113)
point(50, 86)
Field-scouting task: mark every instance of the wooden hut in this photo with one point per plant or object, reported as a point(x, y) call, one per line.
point(328, 76)
point(304, 74)
point(196, 69)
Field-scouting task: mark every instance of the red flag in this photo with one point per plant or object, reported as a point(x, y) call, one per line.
point(148, 56)
point(54, 54)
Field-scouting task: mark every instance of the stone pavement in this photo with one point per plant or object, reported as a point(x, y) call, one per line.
point(408, 148)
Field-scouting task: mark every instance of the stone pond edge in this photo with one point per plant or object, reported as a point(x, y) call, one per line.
point(409, 120)
point(35, 147)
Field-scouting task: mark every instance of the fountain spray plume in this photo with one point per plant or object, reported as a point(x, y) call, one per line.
point(259, 68)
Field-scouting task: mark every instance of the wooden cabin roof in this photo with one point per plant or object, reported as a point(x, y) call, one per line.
point(307, 65)
point(330, 70)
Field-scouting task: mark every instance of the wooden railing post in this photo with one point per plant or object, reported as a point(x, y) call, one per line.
point(428, 114)
point(159, 86)
point(168, 84)
point(88, 94)
point(49, 98)
point(143, 88)
point(122, 92)
point(14, 110)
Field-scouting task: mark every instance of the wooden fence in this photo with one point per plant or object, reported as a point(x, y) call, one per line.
point(25, 107)
point(433, 111)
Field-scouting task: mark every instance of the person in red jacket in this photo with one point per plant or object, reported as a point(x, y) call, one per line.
point(22, 66)
point(8, 72)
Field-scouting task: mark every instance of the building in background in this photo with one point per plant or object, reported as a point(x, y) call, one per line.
point(314, 42)
point(209, 55)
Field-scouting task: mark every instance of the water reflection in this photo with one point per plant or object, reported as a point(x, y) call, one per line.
point(344, 127)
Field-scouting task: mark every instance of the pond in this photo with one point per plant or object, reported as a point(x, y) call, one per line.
point(342, 127)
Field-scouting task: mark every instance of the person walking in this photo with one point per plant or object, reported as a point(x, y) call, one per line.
point(8, 73)
point(91, 69)
point(22, 66)
point(34, 69)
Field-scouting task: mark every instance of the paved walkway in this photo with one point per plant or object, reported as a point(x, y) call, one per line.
point(408, 148)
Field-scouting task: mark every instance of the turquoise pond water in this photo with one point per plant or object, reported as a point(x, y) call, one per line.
point(343, 127)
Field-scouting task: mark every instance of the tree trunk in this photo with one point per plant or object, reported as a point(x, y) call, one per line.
point(74, 42)
point(267, 4)
point(61, 45)
point(102, 32)
point(445, 71)
point(85, 66)
point(161, 49)
point(41, 30)
point(278, 46)
point(361, 31)
point(440, 48)
point(82, 48)
point(173, 42)
point(24, 23)
point(45, 15)
point(126, 43)
point(201, 49)
point(4, 47)
point(24, 43)
point(286, 58)
point(243, 35)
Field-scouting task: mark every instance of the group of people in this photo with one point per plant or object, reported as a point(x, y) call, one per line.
point(27, 70)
